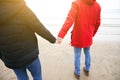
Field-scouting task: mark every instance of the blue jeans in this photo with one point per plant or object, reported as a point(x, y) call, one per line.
point(34, 68)
point(77, 59)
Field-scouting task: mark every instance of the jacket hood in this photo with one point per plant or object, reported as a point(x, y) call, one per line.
point(89, 2)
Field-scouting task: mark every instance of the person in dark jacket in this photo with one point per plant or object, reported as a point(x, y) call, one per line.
point(85, 15)
point(18, 42)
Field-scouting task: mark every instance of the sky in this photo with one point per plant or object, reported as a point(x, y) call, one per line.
point(109, 4)
point(55, 11)
point(52, 13)
point(59, 8)
point(106, 4)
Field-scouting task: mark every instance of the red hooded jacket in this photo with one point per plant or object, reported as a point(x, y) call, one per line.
point(85, 15)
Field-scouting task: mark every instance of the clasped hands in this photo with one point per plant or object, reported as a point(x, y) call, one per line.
point(58, 40)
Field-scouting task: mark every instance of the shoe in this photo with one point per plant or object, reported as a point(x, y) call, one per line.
point(77, 76)
point(86, 72)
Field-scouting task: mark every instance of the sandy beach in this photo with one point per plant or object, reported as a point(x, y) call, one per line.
point(57, 60)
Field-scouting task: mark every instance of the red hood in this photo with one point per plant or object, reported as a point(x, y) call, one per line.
point(89, 2)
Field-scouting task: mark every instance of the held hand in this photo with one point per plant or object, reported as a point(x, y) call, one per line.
point(58, 40)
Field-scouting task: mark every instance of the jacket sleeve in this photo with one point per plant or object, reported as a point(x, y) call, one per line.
point(98, 21)
point(69, 20)
point(36, 26)
point(0, 55)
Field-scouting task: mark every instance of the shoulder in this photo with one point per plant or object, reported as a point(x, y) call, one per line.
point(76, 3)
point(98, 5)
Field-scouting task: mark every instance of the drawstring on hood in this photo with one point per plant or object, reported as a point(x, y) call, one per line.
point(89, 2)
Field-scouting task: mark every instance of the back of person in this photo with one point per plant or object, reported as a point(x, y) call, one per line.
point(84, 15)
point(18, 25)
point(18, 42)
point(86, 23)
point(16, 39)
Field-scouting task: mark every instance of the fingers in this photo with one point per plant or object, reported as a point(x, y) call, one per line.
point(58, 40)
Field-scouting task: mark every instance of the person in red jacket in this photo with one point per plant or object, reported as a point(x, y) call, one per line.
point(85, 15)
